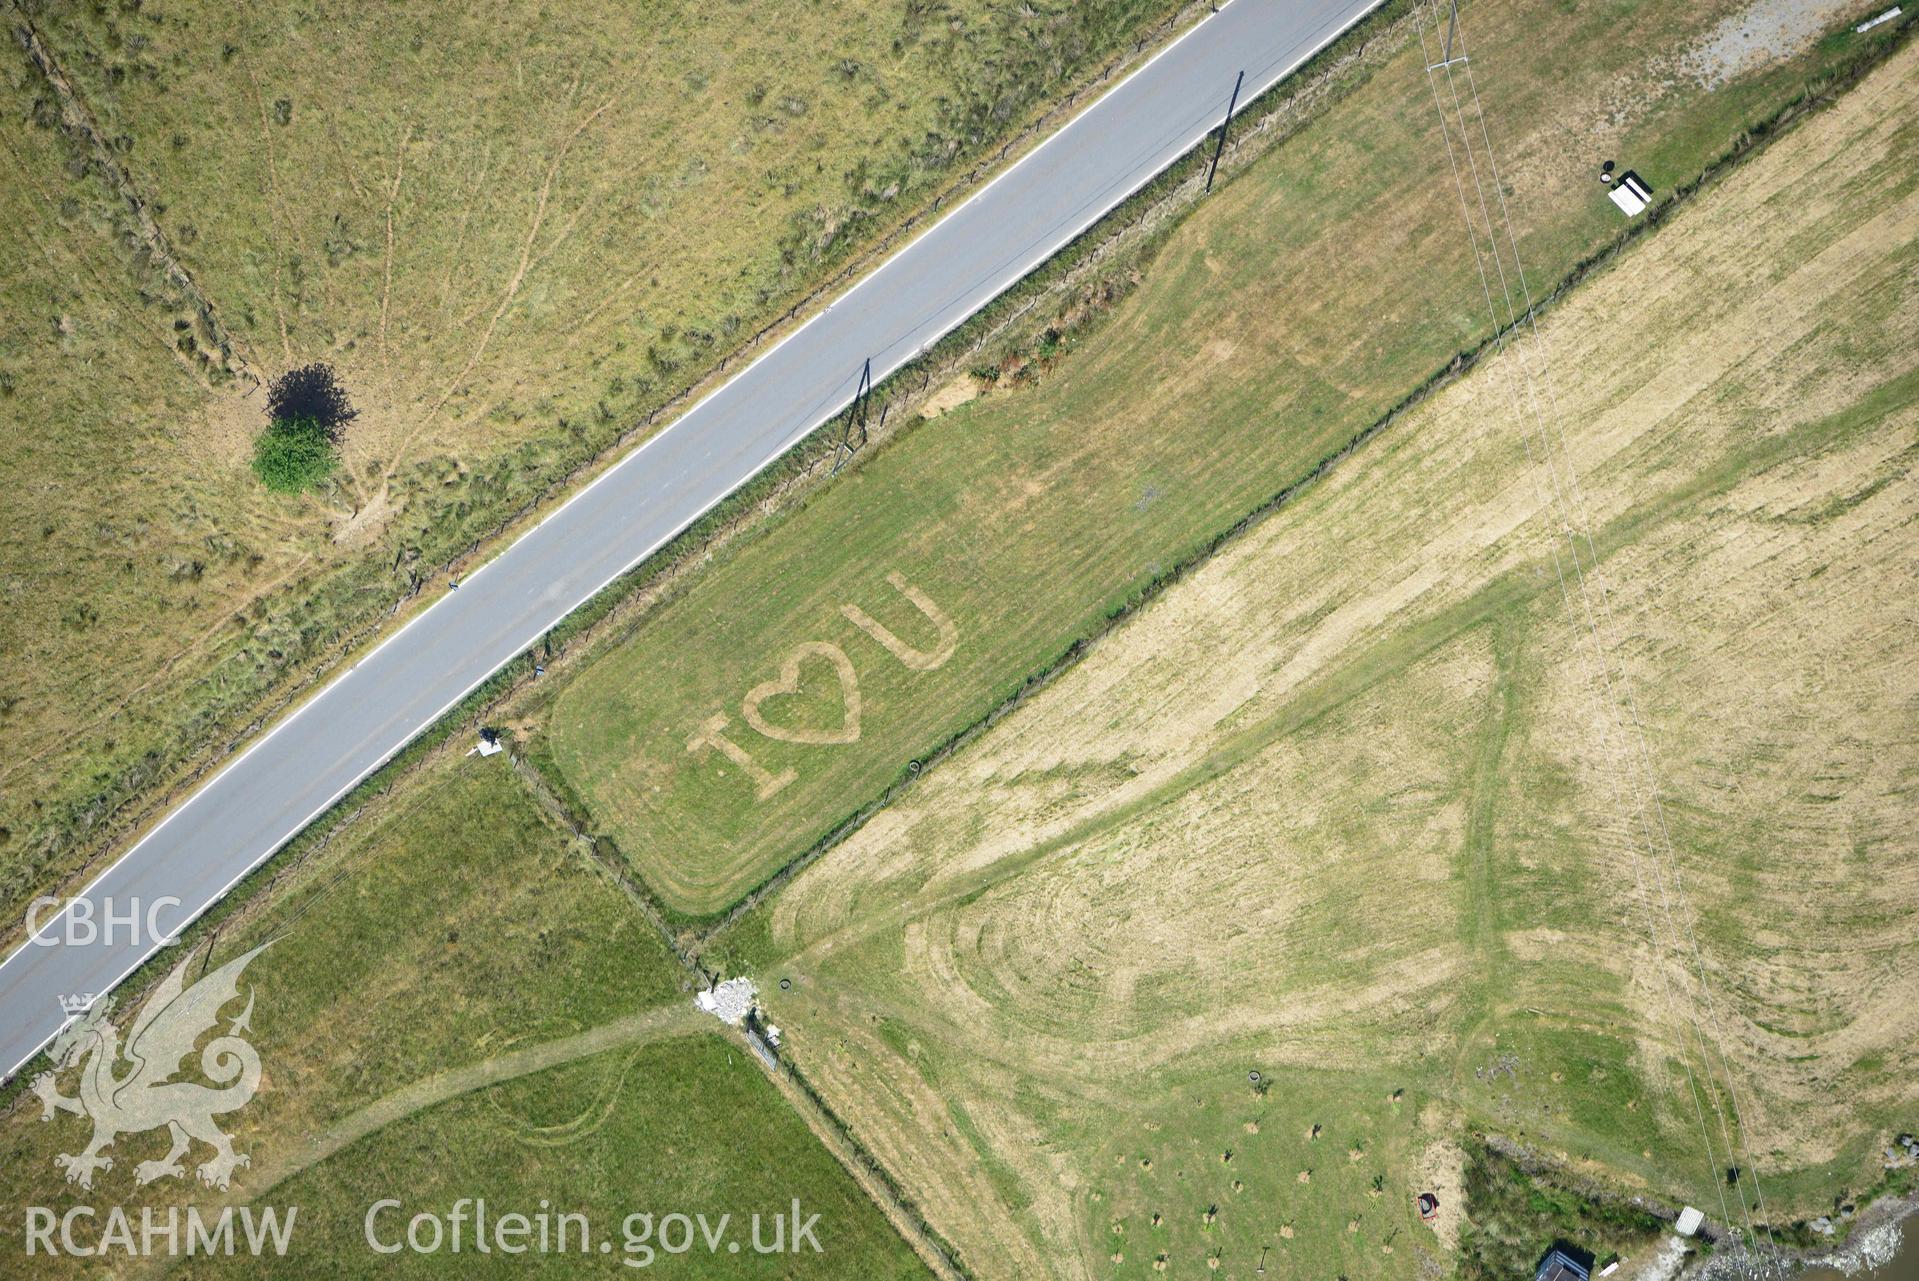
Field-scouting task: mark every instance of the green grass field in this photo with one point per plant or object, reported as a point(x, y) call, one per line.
point(457, 997)
point(686, 1127)
point(515, 232)
point(1257, 345)
point(1352, 806)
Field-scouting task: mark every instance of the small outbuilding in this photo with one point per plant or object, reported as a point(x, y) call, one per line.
point(1560, 1265)
point(1630, 193)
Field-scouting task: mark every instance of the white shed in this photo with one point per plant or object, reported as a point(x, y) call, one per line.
point(1630, 193)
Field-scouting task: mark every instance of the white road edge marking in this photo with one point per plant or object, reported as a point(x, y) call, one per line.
point(779, 452)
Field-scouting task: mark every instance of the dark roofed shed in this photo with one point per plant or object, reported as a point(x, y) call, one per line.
point(1558, 1265)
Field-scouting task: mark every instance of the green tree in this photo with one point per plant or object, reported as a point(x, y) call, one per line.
point(293, 455)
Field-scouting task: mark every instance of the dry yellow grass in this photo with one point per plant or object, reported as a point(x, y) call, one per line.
point(1355, 795)
point(515, 231)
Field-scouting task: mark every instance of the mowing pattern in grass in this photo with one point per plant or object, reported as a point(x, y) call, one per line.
point(1258, 344)
point(515, 230)
point(1340, 804)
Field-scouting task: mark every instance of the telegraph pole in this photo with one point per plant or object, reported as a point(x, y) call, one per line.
point(855, 412)
point(1446, 58)
point(1218, 150)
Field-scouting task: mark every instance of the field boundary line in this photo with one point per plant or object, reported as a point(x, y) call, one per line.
point(886, 1192)
point(614, 864)
point(881, 1187)
point(75, 115)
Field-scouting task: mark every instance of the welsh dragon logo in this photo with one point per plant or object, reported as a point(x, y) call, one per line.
point(145, 1097)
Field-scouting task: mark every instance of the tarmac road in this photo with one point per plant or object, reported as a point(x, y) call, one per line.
point(298, 769)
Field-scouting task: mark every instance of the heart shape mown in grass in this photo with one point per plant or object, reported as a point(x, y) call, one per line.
point(787, 685)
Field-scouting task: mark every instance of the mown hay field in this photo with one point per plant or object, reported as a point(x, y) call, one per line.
point(514, 230)
point(458, 1000)
point(748, 719)
point(1354, 804)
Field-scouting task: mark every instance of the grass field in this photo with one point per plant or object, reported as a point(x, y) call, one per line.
point(458, 997)
point(99, 553)
point(1338, 808)
point(514, 231)
point(1257, 345)
point(682, 1127)
point(1351, 805)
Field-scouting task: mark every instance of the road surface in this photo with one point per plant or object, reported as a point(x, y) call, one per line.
point(301, 767)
